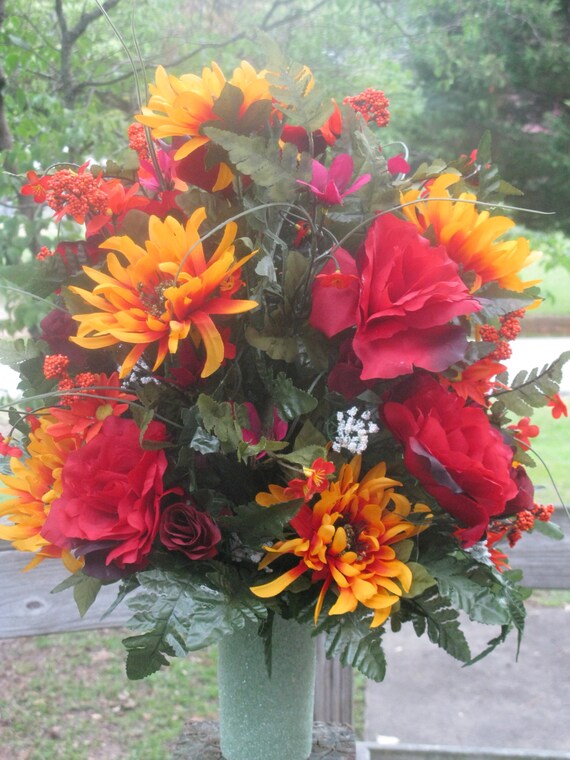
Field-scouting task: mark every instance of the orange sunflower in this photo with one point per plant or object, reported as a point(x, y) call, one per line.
point(34, 484)
point(346, 541)
point(470, 236)
point(164, 294)
point(180, 106)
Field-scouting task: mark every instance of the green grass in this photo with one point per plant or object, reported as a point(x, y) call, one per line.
point(552, 445)
point(553, 269)
point(67, 696)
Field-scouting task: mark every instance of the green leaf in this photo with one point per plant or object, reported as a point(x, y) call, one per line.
point(176, 612)
point(497, 301)
point(350, 638)
point(442, 624)
point(255, 524)
point(264, 162)
point(304, 456)
point(550, 529)
point(14, 352)
point(421, 580)
point(291, 402)
point(224, 420)
point(228, 103)
point(292, 89)
point(205, 442)
point(277, 347)
point(533, 389)
point(296, 266)
point(245, 450)
point(85, 589)
point(482, 603)
point(309, 435)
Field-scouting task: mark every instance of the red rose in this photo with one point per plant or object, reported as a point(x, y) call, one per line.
point(335, 295)
point(110, 499)
point(185, 529)
point(454, 451)
point(410, 292)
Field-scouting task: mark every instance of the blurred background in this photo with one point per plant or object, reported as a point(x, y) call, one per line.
point(451, 70)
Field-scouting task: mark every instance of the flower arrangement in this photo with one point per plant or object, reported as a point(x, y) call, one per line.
point(271, 377)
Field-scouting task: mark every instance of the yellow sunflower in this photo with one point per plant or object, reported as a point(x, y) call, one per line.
point(33, 485)
point(180, 106)
point(470, 236)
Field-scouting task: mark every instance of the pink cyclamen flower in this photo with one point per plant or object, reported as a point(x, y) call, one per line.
point(330, 186)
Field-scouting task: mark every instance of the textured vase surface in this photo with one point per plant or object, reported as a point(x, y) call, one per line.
point(265, 717)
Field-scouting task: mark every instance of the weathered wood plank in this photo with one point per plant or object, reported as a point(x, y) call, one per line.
point(28, 608)
point(437, 752)
point(333, 690)
point(544, 561)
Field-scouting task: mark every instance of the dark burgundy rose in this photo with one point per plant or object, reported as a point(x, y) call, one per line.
point(57, 328)
point(525, 496)
point(185, 529)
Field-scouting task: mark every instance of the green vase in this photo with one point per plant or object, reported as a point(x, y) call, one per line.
point(267, 717)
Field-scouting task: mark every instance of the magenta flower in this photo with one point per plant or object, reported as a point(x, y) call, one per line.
point(330, 186)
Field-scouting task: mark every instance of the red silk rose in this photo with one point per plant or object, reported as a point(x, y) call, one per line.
point(335, 295)
point(410, 292)
point(454, 451)
point(109, 507)
point(185, 529)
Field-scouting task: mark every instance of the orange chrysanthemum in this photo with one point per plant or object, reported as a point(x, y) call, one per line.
point(163, 294)
point(180, 106)
point(470, 236)
point(345, 540)
point(34, 484)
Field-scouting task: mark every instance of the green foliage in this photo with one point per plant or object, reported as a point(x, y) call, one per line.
point(269, 168)
point(85, 590)
point(177, 612)
point(532, 389)
point(254, 524)
point(441, 622)
point(351, 639)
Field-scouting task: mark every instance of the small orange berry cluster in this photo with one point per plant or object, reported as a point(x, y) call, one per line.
point(76, 194)
point(508, 330)
point(56, 368)
point(372, 104)
point(138, 141)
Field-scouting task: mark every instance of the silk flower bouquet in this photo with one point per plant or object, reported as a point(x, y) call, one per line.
point(270, 383)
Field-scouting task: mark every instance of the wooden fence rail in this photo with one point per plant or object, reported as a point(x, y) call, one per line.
point(28, 608)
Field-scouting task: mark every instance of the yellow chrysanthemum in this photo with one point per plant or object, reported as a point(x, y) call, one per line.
point(164, 294)
point(470, 236)
point(346, 541)
point(34, 484)
point(180, 106)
